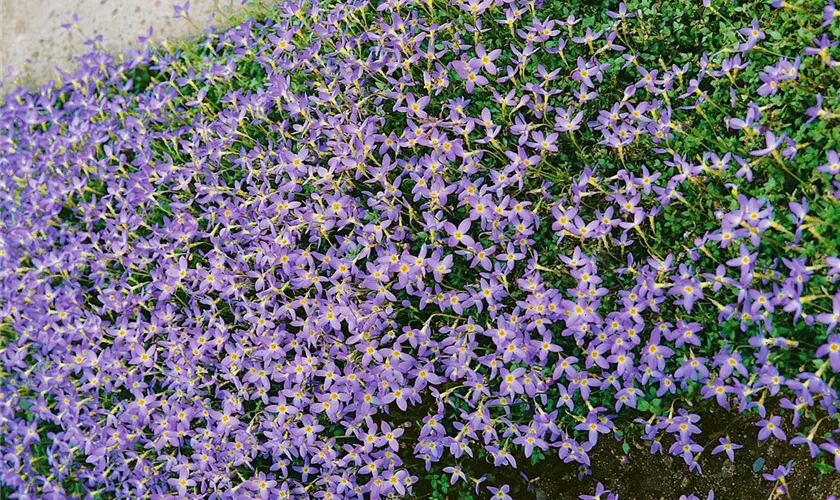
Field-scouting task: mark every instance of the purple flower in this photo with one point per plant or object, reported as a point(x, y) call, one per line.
point(833, 264)
point(832, 350)
point(831, 318)
point(622, 12)
point(415, 107)
point(711, 495)
point(830, 13)
point(753, 32)
point(816, 112)
point(813, 449)
point(727, 447)
point(594, 426)
point(487, 58)
point(771, 426)
point(181, 10)
point(745, 261)
point(689, 290)
point(500, 493)
point(601, 492)
point(182, 482)
point(469, 72)
point(780, 472)
point(833, 449)
point(456, 474)
point(686, 449)
point(833, 165)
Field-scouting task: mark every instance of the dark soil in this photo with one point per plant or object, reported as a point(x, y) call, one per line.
point(639, 475)
point(642, 476)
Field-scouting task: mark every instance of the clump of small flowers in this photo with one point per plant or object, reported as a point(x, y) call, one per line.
point(340, 246)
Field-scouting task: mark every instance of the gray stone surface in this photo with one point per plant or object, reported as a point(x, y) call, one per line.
point(31, 30)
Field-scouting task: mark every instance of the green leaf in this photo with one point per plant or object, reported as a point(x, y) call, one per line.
point(823, 467)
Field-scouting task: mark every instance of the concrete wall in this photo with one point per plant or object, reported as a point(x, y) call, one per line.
point(31, 29)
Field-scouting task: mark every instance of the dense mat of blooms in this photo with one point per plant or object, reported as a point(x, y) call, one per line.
point(323, 252)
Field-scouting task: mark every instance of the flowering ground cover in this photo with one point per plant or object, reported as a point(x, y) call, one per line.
point(432, 249)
